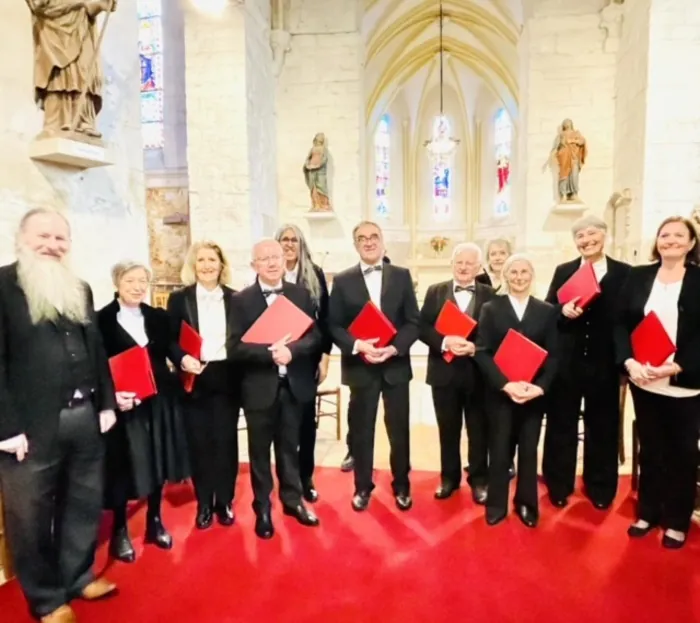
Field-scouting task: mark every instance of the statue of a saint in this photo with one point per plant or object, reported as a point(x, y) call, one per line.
point(316, 174)
point(570, 153)
point(67, 69)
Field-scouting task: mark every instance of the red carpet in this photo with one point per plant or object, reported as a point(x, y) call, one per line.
point(437, 563)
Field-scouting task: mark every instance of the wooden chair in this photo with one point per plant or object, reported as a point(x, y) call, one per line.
point(328, 405)
point(5, 561)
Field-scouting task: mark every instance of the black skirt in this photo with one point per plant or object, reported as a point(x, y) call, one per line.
point(145, 449)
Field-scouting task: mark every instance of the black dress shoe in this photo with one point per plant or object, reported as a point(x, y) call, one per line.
point(403, 501)
point(480, 494)
point(302, 514)
point(560, 501)
point(205, 518)
point(445, 490)
point(309, 491)
point(671, 543)
point(360, 501)
point(494, 516)
point(156, 533)
point(637, 532)
point(527, 515)
point(263, 525)
point(601, 505)
point(348, 463)
point(120, 547)
point(225, 514)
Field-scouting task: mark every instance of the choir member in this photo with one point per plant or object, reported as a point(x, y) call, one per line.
point(666, 397)
point(372, 371)
point(457, 386)
point(279, 380)
point(211, 409)
point(588, 371)
point(497, 252)
point(515, 408)
point(148, 445)
point(300, 269)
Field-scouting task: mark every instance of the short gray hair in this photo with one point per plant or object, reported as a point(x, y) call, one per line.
point(266, 240)
point(467, 246)
point(516, 257)
point(122, 268)
point(590, 220)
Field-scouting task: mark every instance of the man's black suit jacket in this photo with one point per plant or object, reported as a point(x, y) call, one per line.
point(260, 373)
point(398, 303)
point(460, 370)
point(31, 359)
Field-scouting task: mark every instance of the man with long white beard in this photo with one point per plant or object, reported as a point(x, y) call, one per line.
point(56, 399)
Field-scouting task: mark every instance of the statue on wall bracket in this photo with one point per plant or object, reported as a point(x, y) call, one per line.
point(569, 153)
point(316, 174)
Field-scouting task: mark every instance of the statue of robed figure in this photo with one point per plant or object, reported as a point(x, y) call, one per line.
point(316, 174)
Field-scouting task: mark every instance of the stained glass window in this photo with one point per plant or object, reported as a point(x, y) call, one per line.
point(382, 143)
point(442, 174)
point(503, 142)
point(151, 56)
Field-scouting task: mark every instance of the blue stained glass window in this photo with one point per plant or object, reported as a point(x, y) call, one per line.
point(382, 145)
point(442, 175)
point(503, 145)
point(150, 14)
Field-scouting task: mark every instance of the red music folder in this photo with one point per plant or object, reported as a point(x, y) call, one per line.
point(132, 372)
point(582, 284)
point(281, 318)
point(371, 323)
point(518, 358)
point(191, 342)
point(650, 342)
point(453, 321)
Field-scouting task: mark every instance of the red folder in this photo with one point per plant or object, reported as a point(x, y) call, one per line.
point(582, 284)
point(281, 318)
point(132, 372)
point(371, 323)
point(650, 342)
point(191, 342)
point(452, 321)
point(518, 358)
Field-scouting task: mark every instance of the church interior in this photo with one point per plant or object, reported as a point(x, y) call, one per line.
point(439, 121)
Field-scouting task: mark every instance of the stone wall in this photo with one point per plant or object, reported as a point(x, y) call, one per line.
point(105, 205)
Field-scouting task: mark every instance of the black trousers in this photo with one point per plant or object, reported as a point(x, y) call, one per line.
point(352, 406)
point(211, 421)
point(307, 441)
point(53, 502)
point(601, 420)
point(668, 457)
point(396, 419)
point(279, 426)
point(507, 420)
point(453, 405)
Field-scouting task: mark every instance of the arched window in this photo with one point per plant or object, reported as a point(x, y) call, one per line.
point(442, 172)
point(503, 142)
point(151, 56)
point(382, 143)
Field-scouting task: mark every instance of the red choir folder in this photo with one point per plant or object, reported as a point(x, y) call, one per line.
point(650, 342)
point(453, 321)
point(132, 372)
point(582, 284)
point(191, 342)
point(281, 318)
point(518, 358)
point(371, 323)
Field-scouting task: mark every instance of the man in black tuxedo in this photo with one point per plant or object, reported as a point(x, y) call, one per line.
point(457, 386)
point(278, 380)
point(56, 399)
point(587, 371)
point(370, 371)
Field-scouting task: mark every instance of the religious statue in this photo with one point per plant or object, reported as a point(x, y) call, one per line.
point(68, 75)
point(316, 174)
point(570, 152)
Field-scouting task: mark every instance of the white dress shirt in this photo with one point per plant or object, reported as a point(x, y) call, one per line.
point(291, 276)
point(519, 307)
point(270, 299)
point(373, 281)
point(212, 323)
point(600, 268)
point(131, 320)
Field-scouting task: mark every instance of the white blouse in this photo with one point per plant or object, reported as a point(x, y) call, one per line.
point(212, 323)
point(519, 307)
point(131, 320)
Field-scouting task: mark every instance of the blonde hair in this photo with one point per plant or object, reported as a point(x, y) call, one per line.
point(188, 274)
point(122, 268)
point(516, 257)
point(497, 242)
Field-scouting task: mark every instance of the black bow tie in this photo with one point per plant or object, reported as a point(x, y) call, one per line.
point(267, 293)
point(465, 289)
point(371, 269)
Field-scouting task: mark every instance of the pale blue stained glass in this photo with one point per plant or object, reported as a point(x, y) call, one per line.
point(503, 145)
point(151, 106)
point(442, 175)
point(149, 8)
point(151, 58)
point(152, 135)
point(382, 146)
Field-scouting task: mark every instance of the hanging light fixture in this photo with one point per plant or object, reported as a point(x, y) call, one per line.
point(441, 145)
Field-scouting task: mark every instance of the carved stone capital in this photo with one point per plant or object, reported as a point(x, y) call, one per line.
point(281, 43)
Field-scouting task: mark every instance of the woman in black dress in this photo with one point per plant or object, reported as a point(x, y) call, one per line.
point(147, 446)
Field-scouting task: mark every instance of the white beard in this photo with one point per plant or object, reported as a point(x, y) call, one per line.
point(51, 288)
